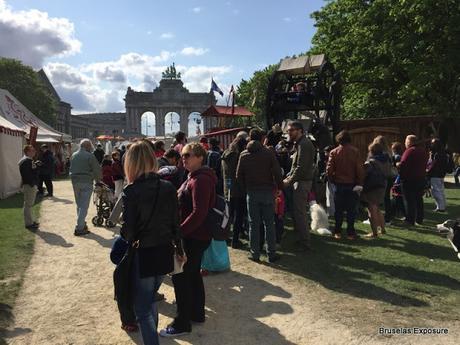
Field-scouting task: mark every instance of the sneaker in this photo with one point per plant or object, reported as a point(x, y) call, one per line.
point(274, 258)
point(81, 232)
point(337, 236)
point(159, 297)
point(171, 331)
point(367, 221)
point(31, 227)
point(237, 245)
point(253, 258)
point(438, 210)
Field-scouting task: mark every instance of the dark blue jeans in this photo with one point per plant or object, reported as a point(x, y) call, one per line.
point(145, 306)
point(345, 200)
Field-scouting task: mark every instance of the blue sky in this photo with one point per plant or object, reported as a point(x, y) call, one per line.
point(101, 47)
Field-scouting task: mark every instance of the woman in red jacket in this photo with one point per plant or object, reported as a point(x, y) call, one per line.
point(196, 196)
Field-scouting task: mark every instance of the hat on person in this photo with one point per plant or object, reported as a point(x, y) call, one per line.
point(277, 129)
point(44, 146)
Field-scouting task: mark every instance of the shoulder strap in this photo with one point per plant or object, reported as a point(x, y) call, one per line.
point(138, 235)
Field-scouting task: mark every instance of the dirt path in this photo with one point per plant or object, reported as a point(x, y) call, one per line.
point(67, 297)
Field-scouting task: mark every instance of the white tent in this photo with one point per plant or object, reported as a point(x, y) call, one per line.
point(11, 142)
point(16, 113)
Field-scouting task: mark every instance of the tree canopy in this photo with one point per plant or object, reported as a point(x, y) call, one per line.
point(397, 57)
point(23, 83)
point(252, 93)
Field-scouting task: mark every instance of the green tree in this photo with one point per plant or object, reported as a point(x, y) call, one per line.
point(252, 93)
point(397, 57)
point(23, 83)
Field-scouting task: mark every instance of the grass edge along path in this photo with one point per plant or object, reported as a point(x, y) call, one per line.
point(16, 250)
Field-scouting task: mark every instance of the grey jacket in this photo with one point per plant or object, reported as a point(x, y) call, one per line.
point(303, 161)
point(84, 167)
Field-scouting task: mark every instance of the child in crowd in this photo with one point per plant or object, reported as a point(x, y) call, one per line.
point(397, 202)
point(280, 205)
point(107, 172)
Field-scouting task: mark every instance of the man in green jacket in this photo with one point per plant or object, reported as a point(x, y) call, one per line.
point(300, 179)
point(84, 169)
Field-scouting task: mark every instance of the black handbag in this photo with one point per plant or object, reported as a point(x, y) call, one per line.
point(123, 276)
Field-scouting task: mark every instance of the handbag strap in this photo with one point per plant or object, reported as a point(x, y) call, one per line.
point(135, 243)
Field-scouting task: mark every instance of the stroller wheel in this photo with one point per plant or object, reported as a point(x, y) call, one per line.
point(109, 223)
point(97, 221)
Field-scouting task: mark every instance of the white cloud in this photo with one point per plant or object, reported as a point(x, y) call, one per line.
point(32, 36)
point(167, 35)
point(287, 19)
point(101, 86)
point(194, 51)
point(197, 9)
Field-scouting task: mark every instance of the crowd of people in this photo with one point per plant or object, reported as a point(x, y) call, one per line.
point(167, 195)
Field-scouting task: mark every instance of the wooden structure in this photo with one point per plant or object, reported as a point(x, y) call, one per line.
point(397, 128)
point(225, 136)
point(218, 117)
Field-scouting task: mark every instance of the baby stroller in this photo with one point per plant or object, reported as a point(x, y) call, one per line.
point(104, 199)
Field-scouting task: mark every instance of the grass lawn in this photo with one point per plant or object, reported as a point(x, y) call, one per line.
point(16, 249)
point(403, 278)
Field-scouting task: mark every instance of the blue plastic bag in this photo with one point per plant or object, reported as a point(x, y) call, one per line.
point(216, 258)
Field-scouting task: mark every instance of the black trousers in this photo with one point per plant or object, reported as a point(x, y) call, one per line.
point(237, 213)
point(413, 193)
point(189, 287)
point(48, 183)
point(388, 205)
point(345, 200)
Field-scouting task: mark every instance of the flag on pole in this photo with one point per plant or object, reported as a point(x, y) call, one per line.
point(215, 88)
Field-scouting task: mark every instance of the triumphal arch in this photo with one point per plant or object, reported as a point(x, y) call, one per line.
point(169, 96)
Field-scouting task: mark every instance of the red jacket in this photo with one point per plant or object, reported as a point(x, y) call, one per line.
point(413, 164)
point(196, 196)
point(107, 176)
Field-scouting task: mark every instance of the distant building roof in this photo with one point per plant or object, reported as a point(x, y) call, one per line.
point(44, 78)
point(222, 111)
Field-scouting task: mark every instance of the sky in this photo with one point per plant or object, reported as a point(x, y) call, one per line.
point(93, 50)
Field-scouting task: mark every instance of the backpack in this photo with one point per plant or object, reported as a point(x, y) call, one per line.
point(218, 219)
point(375, 178)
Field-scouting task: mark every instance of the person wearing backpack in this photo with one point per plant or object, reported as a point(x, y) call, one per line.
point(436, 171)
point(377, 171)
point(197, 196)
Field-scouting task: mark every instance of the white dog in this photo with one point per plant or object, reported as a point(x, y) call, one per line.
point(319, 220)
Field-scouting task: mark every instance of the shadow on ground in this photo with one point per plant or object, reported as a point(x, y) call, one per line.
point(235, 304)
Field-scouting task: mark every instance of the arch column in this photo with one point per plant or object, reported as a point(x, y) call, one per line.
point(184, 121)
point(159, 122)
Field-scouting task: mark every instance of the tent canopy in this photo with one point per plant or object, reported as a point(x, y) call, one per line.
point(11, 141)
point(302, 64)
point(222, 111)
point(17, 114)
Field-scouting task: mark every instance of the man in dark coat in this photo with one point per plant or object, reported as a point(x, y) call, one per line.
point(29, 181)
point(99, 153)
point(46, 171)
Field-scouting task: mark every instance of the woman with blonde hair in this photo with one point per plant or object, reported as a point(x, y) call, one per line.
point(151, 225)
point(196, 196)
point(377, 170)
